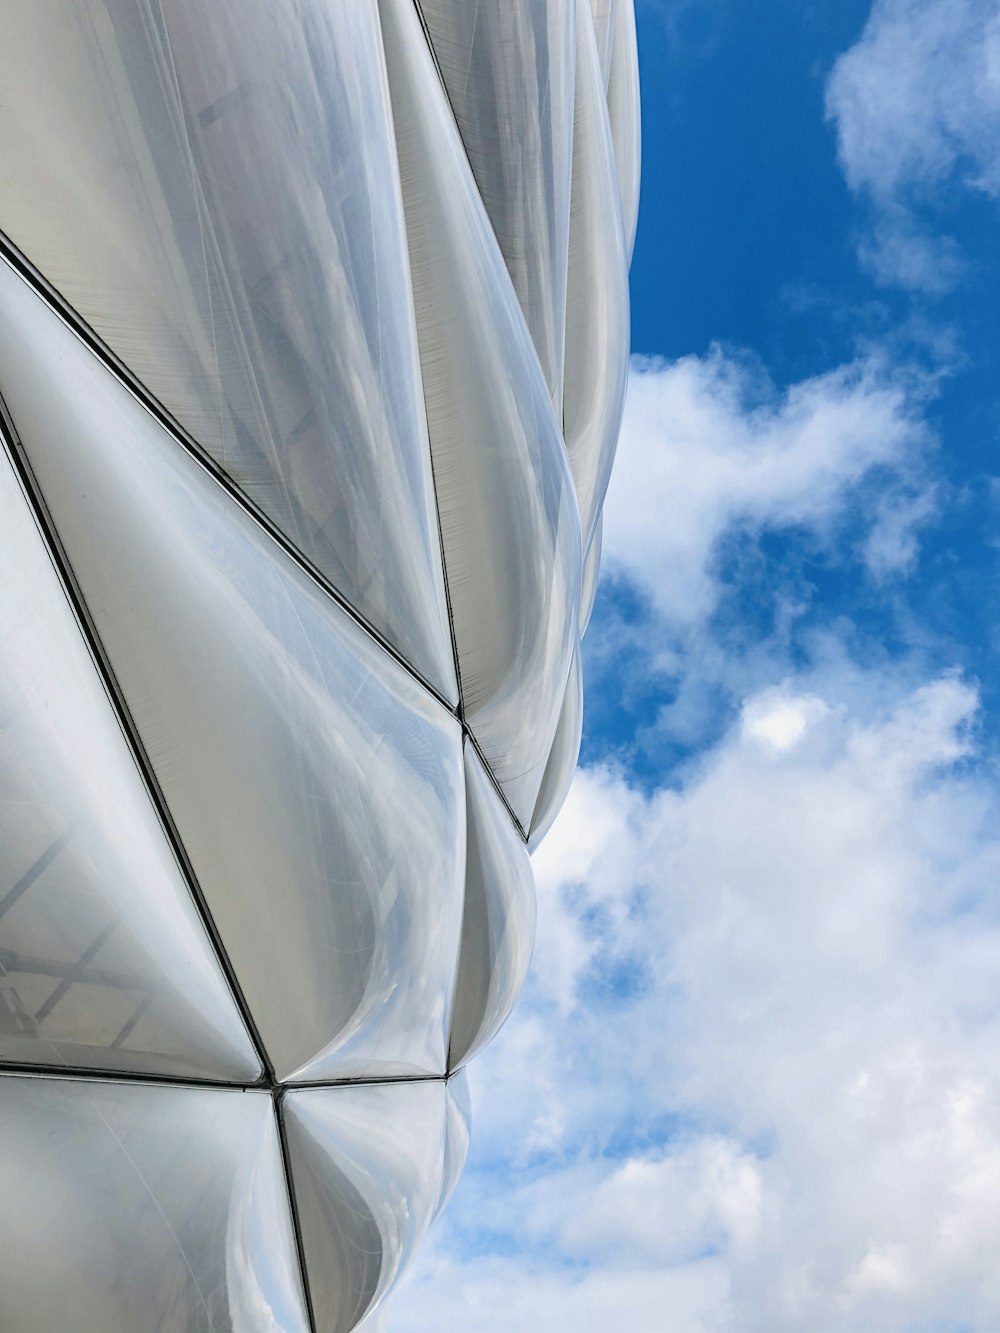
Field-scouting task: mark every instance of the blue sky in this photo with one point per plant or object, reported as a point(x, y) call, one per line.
point(754, 1080)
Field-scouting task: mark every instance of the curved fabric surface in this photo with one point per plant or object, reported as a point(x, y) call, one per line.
point(597, 316)
point(509, 521)
point(603, 12)
point(591, 576)
point(241, 825)
point(498, 925)
point(365, 1196)
point(562, 761)
point(509, 70)
point(623, 106)
point(458, 1128)
point(142, 1207)
point(104, 960)
point(214, 188)
point(316, 786)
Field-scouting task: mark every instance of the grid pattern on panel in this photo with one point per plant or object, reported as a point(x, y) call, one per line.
point(299, 412)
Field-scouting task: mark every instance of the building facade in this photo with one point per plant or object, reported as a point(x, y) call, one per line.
point(313, 345)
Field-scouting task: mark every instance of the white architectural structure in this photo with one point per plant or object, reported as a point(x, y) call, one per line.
point(313, 341)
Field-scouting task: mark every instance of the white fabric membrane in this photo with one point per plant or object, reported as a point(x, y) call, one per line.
point(140, 1207)
point(317, 788)
point(214, 188)
point(509, 520)
point(395, 315)
point(104, 959)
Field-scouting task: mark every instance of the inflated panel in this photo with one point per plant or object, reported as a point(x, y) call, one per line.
point(316, 786)
point(623, 104)
point(214, 188)
point(152, 1208)
point(508, 67)
point(458, 1127)
point(591, 576)
point(603, 12)
point(509, 520)
point(563, 758)
point(597, 319)
point(104, 961)
point(498, 928)
point(367, 1170)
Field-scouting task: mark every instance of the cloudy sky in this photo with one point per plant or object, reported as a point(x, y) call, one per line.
point(754, 1082)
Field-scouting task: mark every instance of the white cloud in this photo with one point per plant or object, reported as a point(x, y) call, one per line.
point(756, 1081)
point(504, 1296)
point(779, 721)
point(708, 447)
point(669, 1207)
point(916, 102)
point(891, 543)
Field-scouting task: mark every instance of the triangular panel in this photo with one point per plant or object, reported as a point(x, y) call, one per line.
point(498, 927)
point(604, 29)
point(563, 759)
point(623, 105)
point(104, 960)
point(597, 310)
point(141, 1208)
point(316, 786)
point(509, 520)
point(458, 1128)
point(368, 1166)
point(214, 188)
point(509, 68)
point(591, 576)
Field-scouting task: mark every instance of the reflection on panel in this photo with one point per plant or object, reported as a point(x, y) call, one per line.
point(591, 576)
point(158, 1209)
point(597, 317)
point(623, 103)
point(498, 929)
point(104, 961)
point(509, 68)
point(367, 1169)
point(509, 519)
point(458, 1126)
point(316, 786)
point(604, 28)
point(214, 188)
point(562, 761)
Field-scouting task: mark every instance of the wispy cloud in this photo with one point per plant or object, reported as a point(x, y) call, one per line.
point(710, 447)
point(916, 103)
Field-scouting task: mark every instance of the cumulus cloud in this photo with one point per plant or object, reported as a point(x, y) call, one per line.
point(916, 103)
point(779, 721)
point(709, 447)
point(755, 1082)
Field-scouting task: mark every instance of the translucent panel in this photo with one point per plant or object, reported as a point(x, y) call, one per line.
point(604, 27)
point(458, 1125)
point(623, 103)
point(104, 961)
point(560, 769)
point(316, 786)
point(509, 519)
point(367, 1168)
point(498, 928)
point(508, 67)
point(591, 576)
point(161, 1209)
point(214, 188)
point(597, 318)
